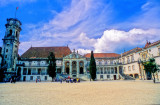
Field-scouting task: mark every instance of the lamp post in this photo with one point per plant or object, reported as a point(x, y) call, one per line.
point(139, 62)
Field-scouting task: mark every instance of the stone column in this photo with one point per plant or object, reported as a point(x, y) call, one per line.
point(77, 68)
point(118, 71)
point(63, 67)
point(70, 69)
point(22, 73)
point(36, 71)
point(103, 69)
point(85, 67)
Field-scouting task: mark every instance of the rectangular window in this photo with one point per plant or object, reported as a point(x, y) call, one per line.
point(108, 76)
point(133, 67)
point(31, 77)
point(101, 76)
point(6, 50)
point(129, 68)
point(45, 78)
point(24, 71)
point(29, 71)
point(39, 71)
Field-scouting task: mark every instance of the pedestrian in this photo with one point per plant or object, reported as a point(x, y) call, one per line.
point(36, 80)
point(61, 80)
point(11, 80)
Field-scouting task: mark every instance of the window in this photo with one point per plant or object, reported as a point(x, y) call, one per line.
point(124, 69)
point(6, 50)
point(39, 71)
point(108, 76)
point(129, 68)
point(45, 78)
point(25, 71)
point(10, 33)
point(31, 77)
point(16, 34)
point(133, 67)
point(101, 76)
point(29, 71)
point(111, 63)
point(6, 56)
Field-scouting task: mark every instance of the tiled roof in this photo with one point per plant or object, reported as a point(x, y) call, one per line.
point(151, 44)
point(103, 55)
point(43, 52)
point(132, 51)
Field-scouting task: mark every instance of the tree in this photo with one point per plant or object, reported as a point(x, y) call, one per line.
point(151, 67)
point(92, 67)
point(51, 65)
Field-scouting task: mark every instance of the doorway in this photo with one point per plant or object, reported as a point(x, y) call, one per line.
point(115, 77)
point(24, 78)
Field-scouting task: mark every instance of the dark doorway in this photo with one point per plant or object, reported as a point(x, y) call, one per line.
point(115, 77)
point(67, 70)
point(115, 70)
point(149, 76)
point(81, 70)
point(24, 78)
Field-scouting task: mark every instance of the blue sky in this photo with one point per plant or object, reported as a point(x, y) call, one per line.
point(84, 25)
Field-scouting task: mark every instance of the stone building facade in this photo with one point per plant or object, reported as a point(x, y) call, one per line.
point(32, 64)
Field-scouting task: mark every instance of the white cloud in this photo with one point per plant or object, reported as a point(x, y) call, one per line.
point(82, 24)
point(83, 51)
point(111, 40)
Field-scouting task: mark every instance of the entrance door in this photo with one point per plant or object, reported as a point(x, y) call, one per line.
point(24, 78)
point(115, 77)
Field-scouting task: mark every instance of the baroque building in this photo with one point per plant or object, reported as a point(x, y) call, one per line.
point(32, 64)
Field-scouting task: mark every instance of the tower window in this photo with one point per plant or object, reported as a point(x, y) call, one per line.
point(6, 50)
point(10, 33)
point(16, 34)
point(6, 56)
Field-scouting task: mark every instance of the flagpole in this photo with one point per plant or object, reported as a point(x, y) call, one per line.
point(16, 11)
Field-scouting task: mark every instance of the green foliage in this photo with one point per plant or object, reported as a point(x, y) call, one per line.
point(51, 65)
point(150, 66)
point(92, 67)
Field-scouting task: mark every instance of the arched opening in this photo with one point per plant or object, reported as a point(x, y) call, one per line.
point(81, 70)
point(67, 70)
point(67, 67)
point(74, 67)
point(81, 66)
point(136, 76)
point(131, 75)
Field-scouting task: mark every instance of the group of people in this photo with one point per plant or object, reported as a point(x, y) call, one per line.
point(38, 80)
point(71, 80)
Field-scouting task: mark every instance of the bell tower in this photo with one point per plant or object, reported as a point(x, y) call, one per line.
point(11, 44)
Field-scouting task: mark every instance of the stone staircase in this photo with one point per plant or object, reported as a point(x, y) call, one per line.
point(126, 77)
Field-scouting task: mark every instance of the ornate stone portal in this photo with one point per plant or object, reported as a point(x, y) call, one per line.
point(74, 65)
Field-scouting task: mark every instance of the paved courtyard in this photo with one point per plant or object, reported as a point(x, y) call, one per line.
point(84, 93)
